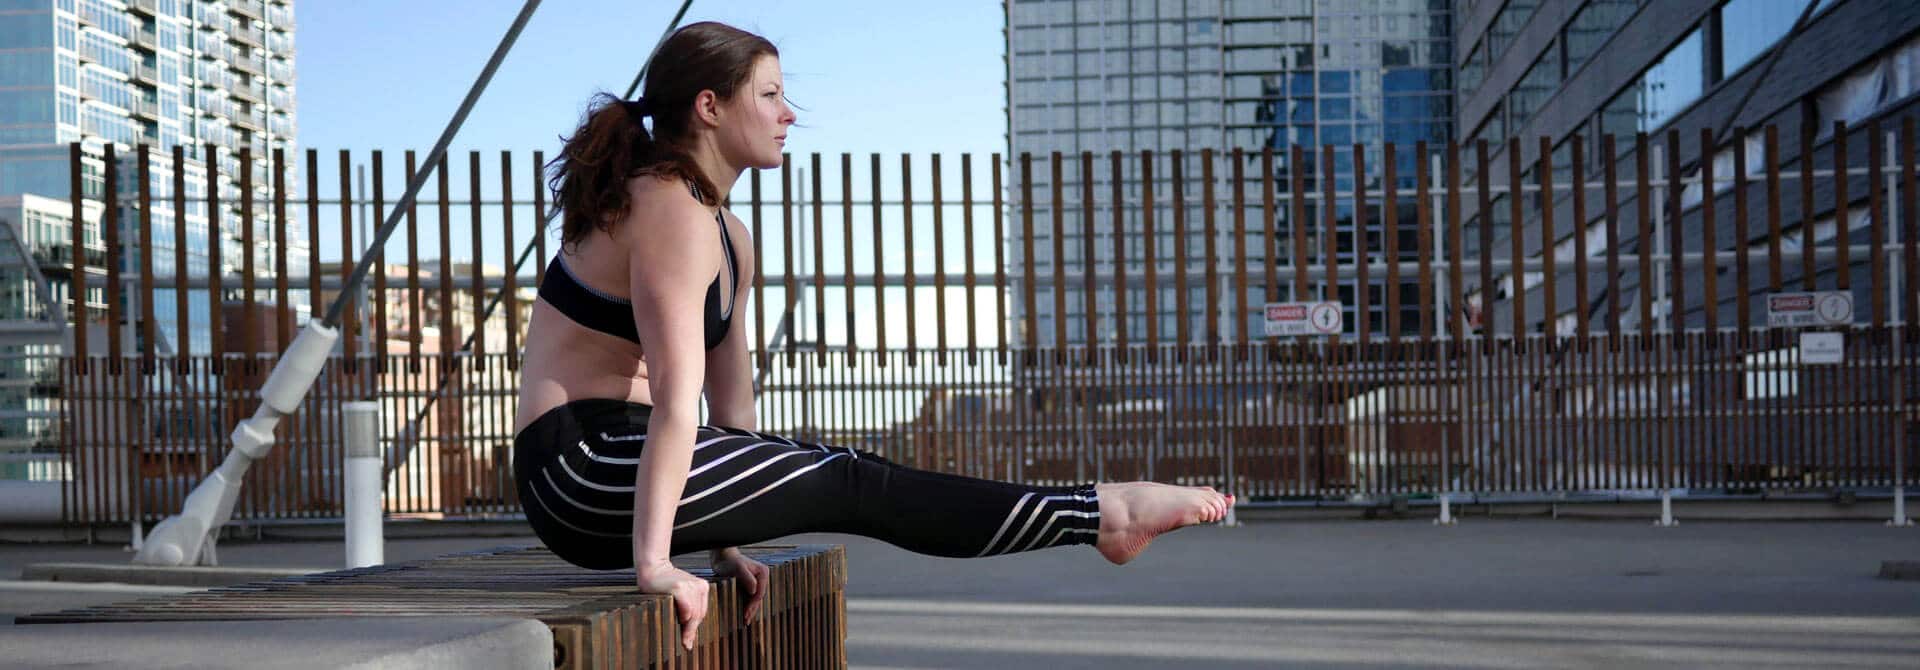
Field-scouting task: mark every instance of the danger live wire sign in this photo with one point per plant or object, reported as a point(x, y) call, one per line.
point(1814, 308)
point(1286, 319)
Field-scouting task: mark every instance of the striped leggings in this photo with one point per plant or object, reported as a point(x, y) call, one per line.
point(575, 467)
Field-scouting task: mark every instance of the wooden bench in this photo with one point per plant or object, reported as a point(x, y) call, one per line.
point(597, 618)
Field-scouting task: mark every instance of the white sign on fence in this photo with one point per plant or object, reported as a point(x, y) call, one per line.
point(1816, 308)
point(1303, 318)
point(1817, 348)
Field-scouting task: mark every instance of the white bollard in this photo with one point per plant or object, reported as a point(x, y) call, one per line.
point(1666, 509)
point(1446, 512)
point(365, 539)
point(1900, 519)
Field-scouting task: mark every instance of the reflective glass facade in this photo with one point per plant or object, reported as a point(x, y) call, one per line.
point(1163, 75)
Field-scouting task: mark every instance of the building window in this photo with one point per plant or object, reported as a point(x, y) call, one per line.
point(1749, 27)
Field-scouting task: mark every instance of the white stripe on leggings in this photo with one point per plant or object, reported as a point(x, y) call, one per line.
point(763, 490)
point(1035, 542)
point(723, 459)
point(583, 482)
point(1004, 525)
point(585, 507)
point(562, 521)
point(738, 477)
point(1037, 509)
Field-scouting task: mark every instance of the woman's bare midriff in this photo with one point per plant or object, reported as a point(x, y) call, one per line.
point(565, 361)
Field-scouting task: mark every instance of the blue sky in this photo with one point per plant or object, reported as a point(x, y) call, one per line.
point(872, 76)
point(887, 77)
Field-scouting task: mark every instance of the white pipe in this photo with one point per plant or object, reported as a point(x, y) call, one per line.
point(1666, 509)
point(1900, 519)
point(365, 541)
point(189, 537)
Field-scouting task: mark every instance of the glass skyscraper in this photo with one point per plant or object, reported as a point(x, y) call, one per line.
point(1161, 75)
point(162, 73)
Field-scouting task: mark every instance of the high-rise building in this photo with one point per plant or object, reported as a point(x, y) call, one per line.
point(1163, 75)
point(1589, 69)
point(120, 74)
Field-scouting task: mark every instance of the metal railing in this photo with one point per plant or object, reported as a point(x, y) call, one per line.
point(1633, 354)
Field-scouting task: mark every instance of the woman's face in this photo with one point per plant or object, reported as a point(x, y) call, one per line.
point(756, 131)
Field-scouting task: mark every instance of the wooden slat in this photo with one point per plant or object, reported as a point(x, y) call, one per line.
point(511, 301)
point(111, 230)
point(1390, 230)
point(1120, 236)
point(475, 274)
point(1742, 237)
point(939, 267)
point(1000, 262)
point(1088, 267)
point(349, 317)
point(879, 270)
point(416, 300)
point(1842, 219)
point(77, 214)
point(1516, 236)
point(1181, 316)
point(1676, 239)
point(1548, 236)
point(183, 317)
point(145, 236)
point(971, 279)
point(819, 266)
point(1808, 118)
point(1423, 221)
point(1581, 270)
point(1610, 172)
point(1643, 196)
point(1456, 249)
point(1485, 192)
point(1709, 239)
point(1150, 256)
point(1362, 251)
point(1031, 322)
point(1058, 260)
point(1776, 280)
point(1240, 315)
point(282, 292)
point(1876, 209)
point(1909, 232)
point(846, 255)
point(906, 241)
point(1210, 251)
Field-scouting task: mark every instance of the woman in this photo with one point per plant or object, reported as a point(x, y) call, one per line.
point(636, 317)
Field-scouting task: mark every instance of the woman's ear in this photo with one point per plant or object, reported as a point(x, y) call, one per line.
point(706, 107)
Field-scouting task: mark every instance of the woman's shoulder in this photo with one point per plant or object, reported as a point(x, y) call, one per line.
point(662, 200)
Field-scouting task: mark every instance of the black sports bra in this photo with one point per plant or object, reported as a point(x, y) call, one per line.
point(614, 316)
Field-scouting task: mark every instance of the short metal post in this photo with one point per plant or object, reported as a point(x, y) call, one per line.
point(1900, 519)
point(1666, 509)
point(1446, 512)
point(364, 509)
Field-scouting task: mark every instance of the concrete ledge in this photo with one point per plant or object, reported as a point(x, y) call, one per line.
point(122, 573)
point(289, 644)
point(1902, 570)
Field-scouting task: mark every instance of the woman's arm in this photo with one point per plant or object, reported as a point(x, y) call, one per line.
point(729, 366)
point(730, 371)
point(672, 256)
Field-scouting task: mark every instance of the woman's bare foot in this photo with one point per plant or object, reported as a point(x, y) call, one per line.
point(1133, 513)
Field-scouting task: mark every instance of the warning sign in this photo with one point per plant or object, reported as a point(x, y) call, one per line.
point(1285, 319)
point(1817, 308)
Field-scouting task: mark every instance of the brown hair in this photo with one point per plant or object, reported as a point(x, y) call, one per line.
point(589, 177)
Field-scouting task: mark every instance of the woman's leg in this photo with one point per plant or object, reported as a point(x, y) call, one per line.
point(745, 487)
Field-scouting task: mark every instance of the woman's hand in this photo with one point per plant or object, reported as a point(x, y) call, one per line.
point(689, 594)
point(751, 573)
